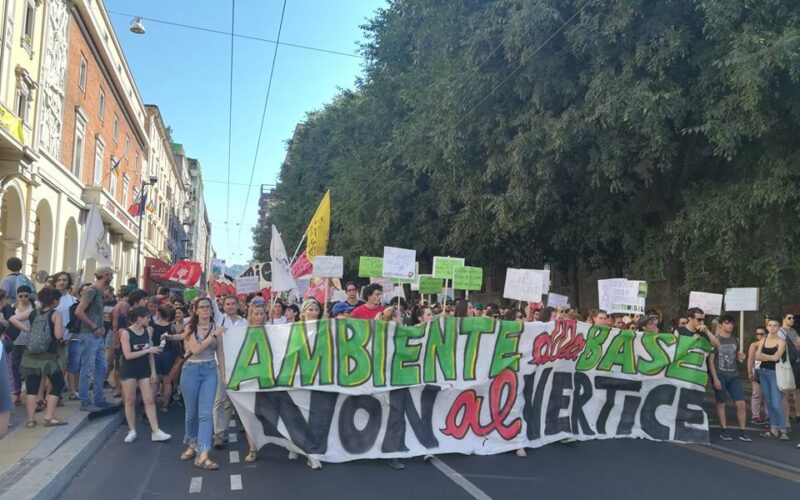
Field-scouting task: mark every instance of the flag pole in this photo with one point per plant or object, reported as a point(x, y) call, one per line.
point(302, 240)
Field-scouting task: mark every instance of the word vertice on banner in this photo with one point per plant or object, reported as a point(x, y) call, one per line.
point(349, 389)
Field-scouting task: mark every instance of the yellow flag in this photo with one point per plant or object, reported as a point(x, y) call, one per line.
point(319, 229)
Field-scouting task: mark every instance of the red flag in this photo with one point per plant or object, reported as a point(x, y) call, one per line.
point(185, 272)
point(301, 266)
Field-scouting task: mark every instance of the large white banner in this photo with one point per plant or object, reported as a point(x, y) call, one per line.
point(349, 389)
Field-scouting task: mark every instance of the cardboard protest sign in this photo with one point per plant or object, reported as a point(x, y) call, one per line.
point(460, 385)
point(621, 296)
point(443, 267)
point(556, 300)
point(247, 284)
point(412, 281)
point(370, 267)
point(328, 266)
point(218, 267)
point(742, 299)
point(399, 262)
point(430, 285)
point(524, 285)
point(337, 295)
point(467, 278)
point(710, 303)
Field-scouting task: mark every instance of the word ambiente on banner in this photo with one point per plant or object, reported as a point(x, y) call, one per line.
point(469, 385)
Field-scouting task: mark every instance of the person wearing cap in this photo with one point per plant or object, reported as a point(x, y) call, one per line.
point(342, 310)
point(93, 359)
point(648, 323)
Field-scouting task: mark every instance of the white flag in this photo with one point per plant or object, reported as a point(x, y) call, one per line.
point(281, 270)
point(95, 242)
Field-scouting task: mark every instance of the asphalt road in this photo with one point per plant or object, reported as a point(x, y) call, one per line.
point(613, 469)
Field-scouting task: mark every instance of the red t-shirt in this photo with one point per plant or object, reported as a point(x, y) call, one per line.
point(364, 312)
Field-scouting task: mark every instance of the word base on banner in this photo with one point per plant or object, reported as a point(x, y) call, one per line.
point(342, 390)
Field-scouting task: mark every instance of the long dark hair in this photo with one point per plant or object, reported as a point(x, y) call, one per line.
point(462, 306)
point(195, 319)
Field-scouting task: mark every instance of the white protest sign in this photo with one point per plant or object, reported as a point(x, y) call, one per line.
point(399, 263)
point(710, 303)
point(328, 266)
point(555, 300)
point(741, 299)
point(620, 296)
point(218, 267)
point(524, 284)
point(338, 295)
point(247, 284)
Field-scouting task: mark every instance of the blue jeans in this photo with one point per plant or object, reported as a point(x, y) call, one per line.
point(199, 387)
point(772, 396)
point(93, 361)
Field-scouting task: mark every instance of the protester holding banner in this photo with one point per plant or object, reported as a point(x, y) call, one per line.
point(351, 289)
point(373, 293)
point(310, 311)
point(695, 327)
point(769, 351)
point(277, 314)
point(202, 339)
point(292, 313)
point(464, 309)
point(422, 314)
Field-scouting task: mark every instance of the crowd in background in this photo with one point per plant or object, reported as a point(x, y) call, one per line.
point(82, 342)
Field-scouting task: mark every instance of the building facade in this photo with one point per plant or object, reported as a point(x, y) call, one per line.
point(74, 132)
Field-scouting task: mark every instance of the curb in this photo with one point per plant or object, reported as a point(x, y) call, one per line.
point(48, 476)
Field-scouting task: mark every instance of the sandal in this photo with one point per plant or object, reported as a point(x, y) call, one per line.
point(188, 454)
point(54, 422)
point(30, 424)
point(252, 456)
point(207, 464)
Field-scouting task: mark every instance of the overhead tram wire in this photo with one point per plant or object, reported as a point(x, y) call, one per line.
point(263, 119)
point(237, 35)
point(230, 133)
point(561, 28)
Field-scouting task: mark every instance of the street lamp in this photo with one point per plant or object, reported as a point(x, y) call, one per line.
point(153, 180)
point(137, 26)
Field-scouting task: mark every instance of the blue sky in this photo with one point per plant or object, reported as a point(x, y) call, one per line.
point(186, 73)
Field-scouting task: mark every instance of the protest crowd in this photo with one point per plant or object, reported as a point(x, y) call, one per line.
point(69, 340)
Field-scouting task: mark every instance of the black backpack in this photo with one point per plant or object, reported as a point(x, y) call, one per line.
point(74, 324)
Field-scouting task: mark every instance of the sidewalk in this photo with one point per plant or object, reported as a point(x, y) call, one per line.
point(24, 450)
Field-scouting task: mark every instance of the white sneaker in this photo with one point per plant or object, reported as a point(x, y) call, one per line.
point(522, 453)
point(292, 455)
point(160, 435)
point(313, 463)
point(130, 437)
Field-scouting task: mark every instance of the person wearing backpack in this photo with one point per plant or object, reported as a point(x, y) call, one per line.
point(16, 279)
point(40, 359)
point(66, 307)
point(92, 339)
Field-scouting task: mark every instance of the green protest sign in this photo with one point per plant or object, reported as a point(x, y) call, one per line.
point(467, 278)
point(370, 267)
point(443, 266)
point(429, 284)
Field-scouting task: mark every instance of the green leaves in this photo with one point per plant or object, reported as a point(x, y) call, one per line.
point(655, 138)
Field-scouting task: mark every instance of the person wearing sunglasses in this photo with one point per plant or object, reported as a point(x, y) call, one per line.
point(758, 406)
point(202, 340)
point(696, 327)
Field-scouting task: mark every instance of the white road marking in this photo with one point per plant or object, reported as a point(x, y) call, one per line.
point(234, 457)
point(236, 482)
point(196, 485)
point(233, 437)
point(232, 423)
point(459, 479)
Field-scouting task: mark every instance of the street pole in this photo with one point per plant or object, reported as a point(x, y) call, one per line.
point(139, 237)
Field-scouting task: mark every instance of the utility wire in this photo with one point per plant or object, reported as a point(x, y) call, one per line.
point(380, 190)
point(237, 35)
point(230, 131)
point(263, 119)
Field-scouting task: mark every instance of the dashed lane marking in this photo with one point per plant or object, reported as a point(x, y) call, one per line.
point(236, 482)
point(233, 437)
point(234, 455)
point(196, 485)
point(232, 423)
